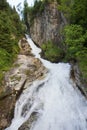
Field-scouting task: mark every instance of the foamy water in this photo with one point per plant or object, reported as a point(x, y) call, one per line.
point(59, 104)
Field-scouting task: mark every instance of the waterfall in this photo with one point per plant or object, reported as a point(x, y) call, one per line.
point(55, 99)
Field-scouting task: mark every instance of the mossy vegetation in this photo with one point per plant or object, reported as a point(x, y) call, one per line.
point(15, 77)
point(27, 72)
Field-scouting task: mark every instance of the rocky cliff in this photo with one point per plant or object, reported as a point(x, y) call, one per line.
point(24, 71)
point(47, 26)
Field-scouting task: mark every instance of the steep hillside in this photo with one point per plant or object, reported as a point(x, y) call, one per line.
point(11, 30)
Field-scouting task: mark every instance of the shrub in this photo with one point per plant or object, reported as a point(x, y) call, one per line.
point(52, 52)
point(76, 46)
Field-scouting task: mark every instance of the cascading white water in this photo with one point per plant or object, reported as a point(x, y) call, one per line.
point(59, 104)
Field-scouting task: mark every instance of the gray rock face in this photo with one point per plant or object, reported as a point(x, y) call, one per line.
point(77, 78)
point(48, 25)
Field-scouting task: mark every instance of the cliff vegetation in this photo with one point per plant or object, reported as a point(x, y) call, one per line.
point(11, 30)
point(74, 33)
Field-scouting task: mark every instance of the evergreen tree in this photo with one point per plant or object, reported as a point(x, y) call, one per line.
point(25, 15)
point(11, 30)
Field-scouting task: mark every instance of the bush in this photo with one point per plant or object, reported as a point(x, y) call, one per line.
point(52, 52)
point(76, 46)
point(74, 39)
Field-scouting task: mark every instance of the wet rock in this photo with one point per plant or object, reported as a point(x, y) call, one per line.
point(28, 124)
point(76, 76)
point(25, 49)
point(4, 123)
point(6, 111)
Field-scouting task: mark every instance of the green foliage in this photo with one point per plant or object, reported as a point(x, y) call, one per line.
point(75, 34)
point(82, 58)
point(4, 5)
point(52, 52)
point(76, 46)
point(35, 10)
point(75, 11)
point(11, 30)
point(66, 7)
point(5, 62)
point(74, 40)
point(25, 13)
point(79, 13)
point(4, 58)
point(38, 8)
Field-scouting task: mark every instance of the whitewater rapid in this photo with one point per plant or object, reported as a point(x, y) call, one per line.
point(56, 100)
